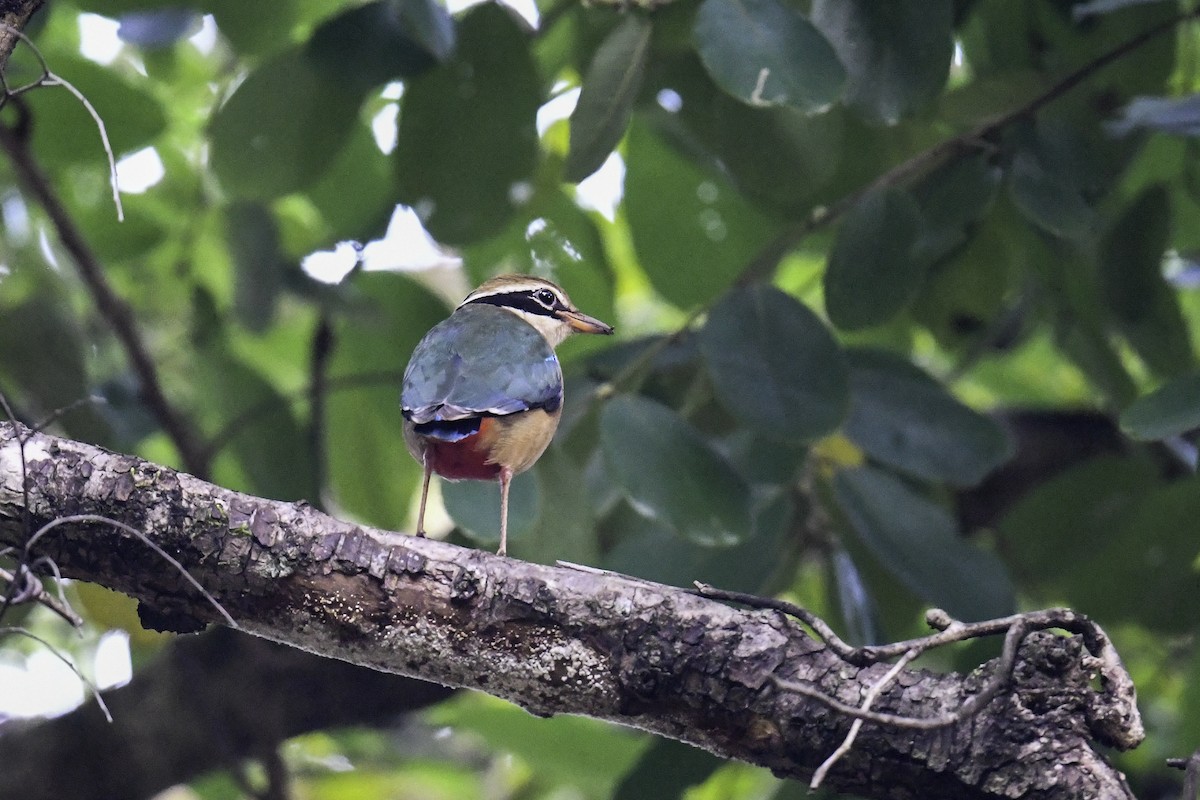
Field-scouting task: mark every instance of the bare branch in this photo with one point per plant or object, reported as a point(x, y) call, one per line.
point(1191, 775)
point(872, 695)
point(27, 588)
point(91, 687)
point(559, 640)
point(57, 80)
point(1119, 724)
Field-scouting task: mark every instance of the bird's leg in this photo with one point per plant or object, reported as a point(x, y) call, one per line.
point(506, 475)
point(424, 495)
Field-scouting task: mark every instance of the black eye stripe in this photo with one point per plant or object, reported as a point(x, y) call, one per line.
point(523, 300)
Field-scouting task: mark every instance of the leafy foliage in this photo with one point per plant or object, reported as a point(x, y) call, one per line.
point(854, 242)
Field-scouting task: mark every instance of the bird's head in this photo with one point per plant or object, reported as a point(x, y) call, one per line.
point(542, 304)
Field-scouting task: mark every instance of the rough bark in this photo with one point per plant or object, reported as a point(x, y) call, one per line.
point(209, 701)
point(556, 640)
point(13, 16)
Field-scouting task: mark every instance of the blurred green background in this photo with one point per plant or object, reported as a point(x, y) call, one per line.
point(854, 366)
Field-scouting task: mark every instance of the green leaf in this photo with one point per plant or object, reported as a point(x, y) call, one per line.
point(1064, 519)
point(148, 221)
point(363, 213)
point(42, 359)
point(759, 564)
point(568, 533)
point(904, 418)
point(253, 29)
point(897, 53)
point(1161, 339)
point(763, 459)
point(774, 365)
point(475, 507)
point(371, 472)
point(427, 779)
point(691, 230)
point(114, 8)
point(918, 542)
point(1131, 256)
point(1132, 284)
point(282, 128)
point(270, 450)
point(952, 199)
point(606, 101)
point(766, 53)
point(467, 144)
point(967, 291)
point(874, 272)
point(757, 145)
point(1189, 705)
point(1170, 410)
point(576, 751)
point(672, 474)
point(383, 40)
point(254, 245)
point(1050, 201)
point(667, 769)
point(1148, 563)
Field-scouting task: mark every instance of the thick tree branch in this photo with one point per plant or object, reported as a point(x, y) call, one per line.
point(209, 701)
point(558, 640)
point(13, 16)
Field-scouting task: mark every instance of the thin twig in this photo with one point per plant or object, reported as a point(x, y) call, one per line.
point(869, 700)
point(95, 518)
point(1126, 729)
point(91, 686)
point(1191, 775)
point(49, 78)
point(1000, 677)
point(52, 79)
point(58, 413)
point(30, 589)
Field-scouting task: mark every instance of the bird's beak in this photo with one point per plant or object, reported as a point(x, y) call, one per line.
point(582, 323)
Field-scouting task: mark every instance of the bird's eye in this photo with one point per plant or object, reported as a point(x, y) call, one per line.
point(545, 297)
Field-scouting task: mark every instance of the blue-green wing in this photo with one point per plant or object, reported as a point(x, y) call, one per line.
point(482, 360)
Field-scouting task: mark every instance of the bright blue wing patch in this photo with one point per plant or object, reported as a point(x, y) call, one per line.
point(481, 361)
point(451, 430)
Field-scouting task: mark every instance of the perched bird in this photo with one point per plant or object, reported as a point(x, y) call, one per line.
point(483, 390)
